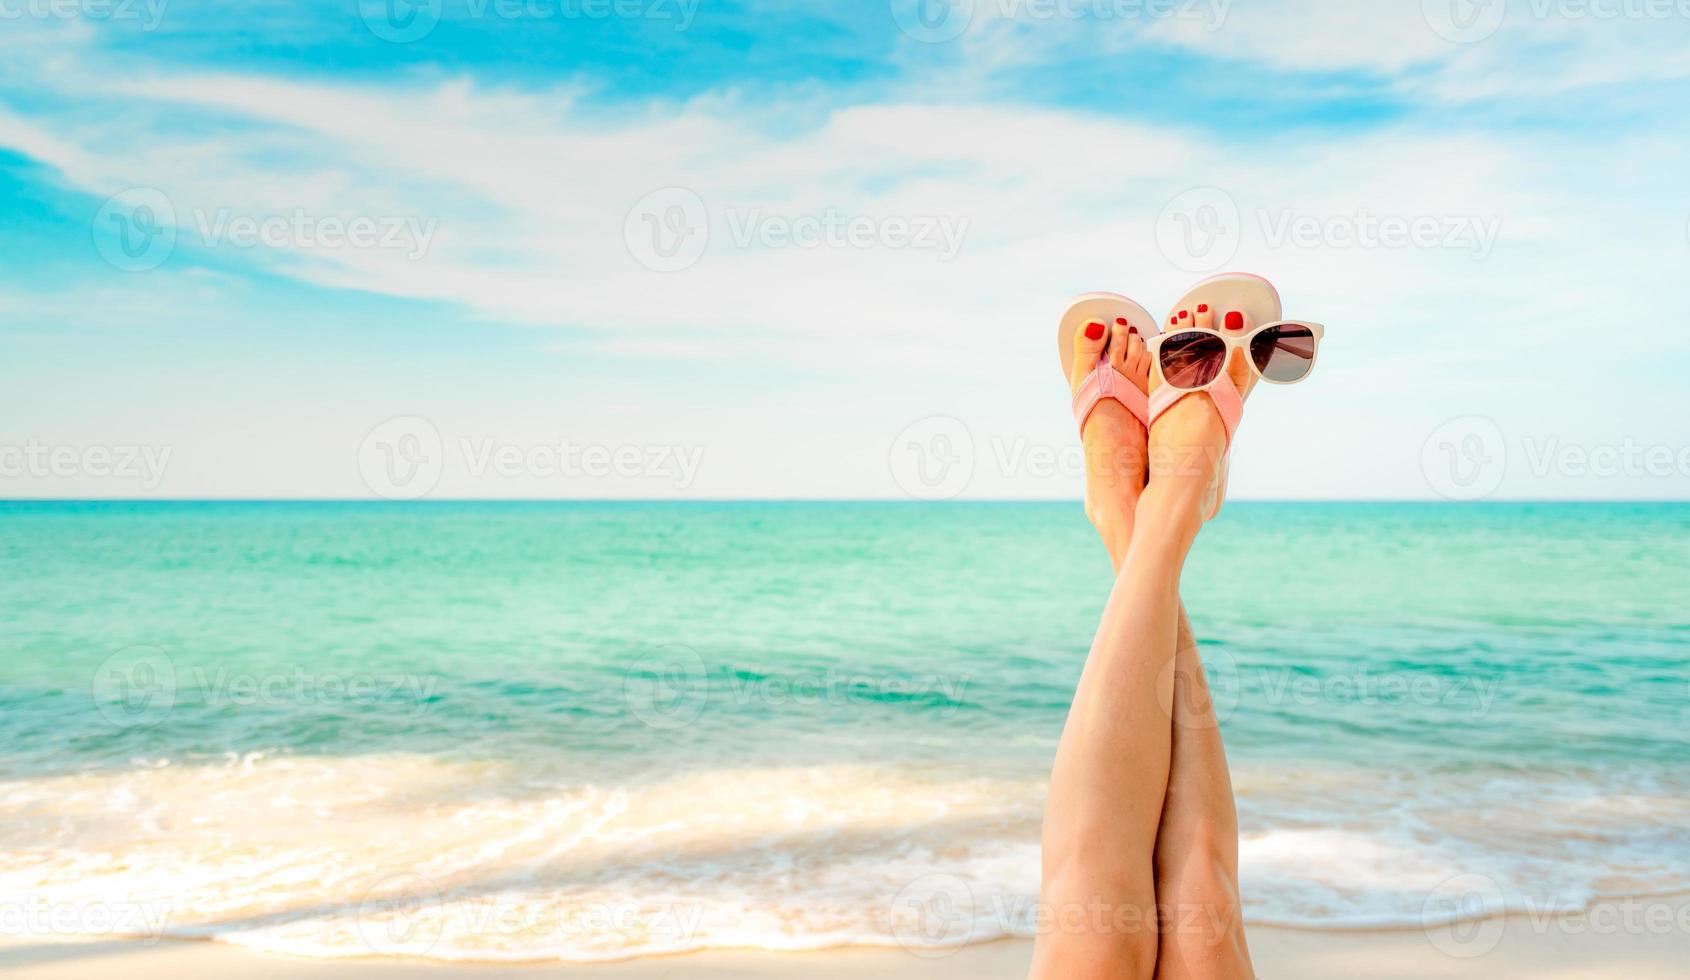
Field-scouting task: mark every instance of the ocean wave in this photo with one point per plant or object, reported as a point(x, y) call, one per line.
point(495, 861)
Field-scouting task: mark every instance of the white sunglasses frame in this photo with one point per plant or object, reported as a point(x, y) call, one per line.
point(1235, 341)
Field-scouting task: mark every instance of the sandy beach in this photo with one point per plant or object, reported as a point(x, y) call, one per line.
point(1641, 939)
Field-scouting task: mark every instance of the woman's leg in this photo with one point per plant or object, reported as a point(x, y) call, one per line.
point(1106, 789)
point(1197, 846)
point(1116, 460)
point(1112, 765)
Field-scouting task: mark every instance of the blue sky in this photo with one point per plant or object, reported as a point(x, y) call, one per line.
point(765, 249)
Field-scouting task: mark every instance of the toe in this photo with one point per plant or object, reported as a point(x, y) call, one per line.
point(1137, 367)
point(1204, 317)
point(1120, 345)
point(1090, 339)
point(1238, 367)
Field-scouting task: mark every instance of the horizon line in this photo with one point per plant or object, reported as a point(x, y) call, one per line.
point(809, 500)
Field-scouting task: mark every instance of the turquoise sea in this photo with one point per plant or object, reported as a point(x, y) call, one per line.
point(594, 731)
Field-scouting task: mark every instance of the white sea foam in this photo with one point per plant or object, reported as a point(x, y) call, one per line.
point(416, 856)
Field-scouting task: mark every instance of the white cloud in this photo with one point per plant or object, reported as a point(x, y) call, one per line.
point(1442, 51)
point(532, 196)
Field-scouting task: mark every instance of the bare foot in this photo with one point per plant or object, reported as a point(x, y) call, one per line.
point(1188, 444)
point(1113, 438)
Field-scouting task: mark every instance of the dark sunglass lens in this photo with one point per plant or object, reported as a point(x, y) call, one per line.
point(1191, 360)
point(1283, 353)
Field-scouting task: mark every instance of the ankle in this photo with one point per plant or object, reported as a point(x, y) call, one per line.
point(1172, 510)
point(1113, 520)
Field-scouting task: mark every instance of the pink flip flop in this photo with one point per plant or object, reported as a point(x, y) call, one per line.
point(1104, 381)
point(1241, 292)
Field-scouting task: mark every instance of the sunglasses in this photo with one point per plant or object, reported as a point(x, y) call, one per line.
point(1280, 353)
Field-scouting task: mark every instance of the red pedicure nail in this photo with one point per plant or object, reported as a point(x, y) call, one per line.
point(1184, 314)
point(1202, 307)
point(1094, 331)
point(1121, 321)
point(1234, 320)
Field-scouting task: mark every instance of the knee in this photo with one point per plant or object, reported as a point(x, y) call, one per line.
point(1098, 924)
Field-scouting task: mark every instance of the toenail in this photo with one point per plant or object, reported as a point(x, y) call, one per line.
point(1202, 307)
point(1094, 331)
point(1184, 314)
point(1121, 321)
point(1234, 320)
